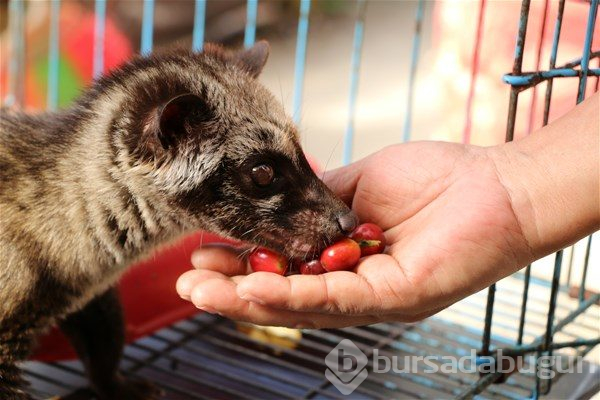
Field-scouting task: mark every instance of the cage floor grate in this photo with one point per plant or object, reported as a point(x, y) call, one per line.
point(207, 357)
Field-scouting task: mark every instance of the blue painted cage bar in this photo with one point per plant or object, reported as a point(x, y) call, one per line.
point(359, 32)
point(147, 27)
point(538, 60)
point(414, 61)
point(300, 63)
point(199, 22)
point(99, 30)
point(250, 31)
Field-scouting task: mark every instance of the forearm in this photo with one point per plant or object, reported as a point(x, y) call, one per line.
point(553, 179)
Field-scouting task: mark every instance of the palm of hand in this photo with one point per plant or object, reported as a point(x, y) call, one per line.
point(450, 229)
point(447, 217)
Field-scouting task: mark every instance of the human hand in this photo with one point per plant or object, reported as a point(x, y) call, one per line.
point(451, 230)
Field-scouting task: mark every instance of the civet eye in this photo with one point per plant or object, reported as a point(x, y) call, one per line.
point(262, 175)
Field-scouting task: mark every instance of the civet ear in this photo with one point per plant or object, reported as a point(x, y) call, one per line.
point(178, 118)
point(253, 59)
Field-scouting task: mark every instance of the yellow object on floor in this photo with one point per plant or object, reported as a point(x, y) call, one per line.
point(282, 337)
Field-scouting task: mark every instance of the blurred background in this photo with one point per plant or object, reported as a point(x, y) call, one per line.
point(443, 75)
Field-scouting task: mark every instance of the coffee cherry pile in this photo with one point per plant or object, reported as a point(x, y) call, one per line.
point(365, 240)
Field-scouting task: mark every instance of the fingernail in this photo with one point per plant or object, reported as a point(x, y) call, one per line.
point(185, 297)
point(252, 299)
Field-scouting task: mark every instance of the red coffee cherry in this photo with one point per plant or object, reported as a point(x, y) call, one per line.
point(341, 256)
point(313, 267)
point(370, 238)
point(262, 259)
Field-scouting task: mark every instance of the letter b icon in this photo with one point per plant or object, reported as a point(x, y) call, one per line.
point(346, 366)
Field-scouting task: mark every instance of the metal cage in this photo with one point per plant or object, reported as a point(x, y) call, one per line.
point(206, 357)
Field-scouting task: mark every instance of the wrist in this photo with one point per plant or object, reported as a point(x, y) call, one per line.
point(510, 166)
point(552, 178)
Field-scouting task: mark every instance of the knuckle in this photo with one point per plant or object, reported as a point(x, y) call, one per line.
point(197, 296)
point(324, 301)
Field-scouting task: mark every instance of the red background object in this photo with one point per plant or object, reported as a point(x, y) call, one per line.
point(148, 296)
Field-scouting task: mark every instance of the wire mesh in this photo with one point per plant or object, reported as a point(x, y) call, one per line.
point(209, 357)
point(520, 82)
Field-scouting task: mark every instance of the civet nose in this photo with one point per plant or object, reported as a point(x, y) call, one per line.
point(347, 222)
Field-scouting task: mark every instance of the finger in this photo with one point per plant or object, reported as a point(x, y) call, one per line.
point(220, 296)
point(342, 181)
point(220, 257)
point(379, 286)
point(188, 280)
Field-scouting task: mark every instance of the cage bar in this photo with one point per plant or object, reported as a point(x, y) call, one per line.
point(597, 87)
point(585, 60)
point(199, 25)
point(530, 126)
point(587, 49)
point(526, 282)
point(551, 310)
point(528, 80)
point(474, 72)
point(538, 56)
point(359, 28)
point(516, 70)
point(99, 36)
point(250, 30)
point(586, 263)
point(552, 346)
point(512, 110)
point(414, 62)
point(570, 268)
point(300, 63)
point(487, 330)
point(552, 65)
point(147, 27)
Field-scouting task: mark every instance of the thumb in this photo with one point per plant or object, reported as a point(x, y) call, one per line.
point(343, 181)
